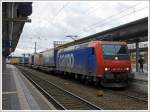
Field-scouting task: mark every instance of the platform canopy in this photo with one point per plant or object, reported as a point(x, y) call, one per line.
point(14, 16)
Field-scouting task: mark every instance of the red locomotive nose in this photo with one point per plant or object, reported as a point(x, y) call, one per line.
point(117, 65)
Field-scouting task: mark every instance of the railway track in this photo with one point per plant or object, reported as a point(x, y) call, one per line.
point(60, 98)
point(133, 94)
point(128, 98)
point(129, 94)
point(135, 97)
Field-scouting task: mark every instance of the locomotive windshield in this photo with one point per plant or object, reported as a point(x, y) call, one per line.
point(110, 51)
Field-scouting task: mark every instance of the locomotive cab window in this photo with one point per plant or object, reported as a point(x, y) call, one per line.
point(110, 51)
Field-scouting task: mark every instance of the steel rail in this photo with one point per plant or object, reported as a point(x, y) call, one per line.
point(45, 93)
point(134, 97)
point(90, 105)
point(130, 96)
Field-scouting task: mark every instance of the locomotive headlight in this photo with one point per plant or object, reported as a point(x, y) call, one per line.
point(127, 68)
point(116, 58)
point(106, 69)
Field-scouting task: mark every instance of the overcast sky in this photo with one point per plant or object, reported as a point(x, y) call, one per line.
point(53, 21)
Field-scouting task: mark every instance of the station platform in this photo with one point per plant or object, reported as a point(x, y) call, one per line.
point(141, 76)
point(140, 82)
point(19, 94)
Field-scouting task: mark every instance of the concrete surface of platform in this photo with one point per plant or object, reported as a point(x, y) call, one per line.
point(141, 76)
point(19, 94)
point(140, 82)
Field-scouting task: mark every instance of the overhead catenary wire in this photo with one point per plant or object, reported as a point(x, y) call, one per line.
point(111, 15)
point(95, 8)
point(59, 11)
point(39, 44)
point(32, 47)
point(104, 24)
point(89, 12)
point(122, 16)
point(122, 11)
point(101, 24)
point(108, 18)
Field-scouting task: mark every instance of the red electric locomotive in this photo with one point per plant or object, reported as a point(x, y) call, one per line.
point(113, 65)
point(104, 62)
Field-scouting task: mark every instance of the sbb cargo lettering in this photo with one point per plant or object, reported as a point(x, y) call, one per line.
point(66, 60)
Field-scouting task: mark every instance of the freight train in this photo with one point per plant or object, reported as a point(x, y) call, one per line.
point(17, 60)
point(104, 62)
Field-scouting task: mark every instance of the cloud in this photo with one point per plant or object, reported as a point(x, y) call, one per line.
point(54, 20)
